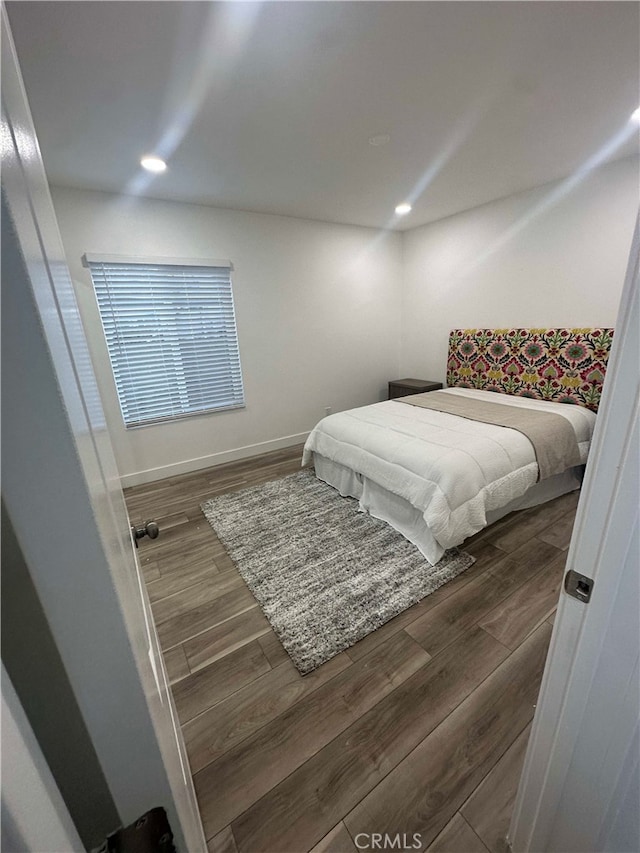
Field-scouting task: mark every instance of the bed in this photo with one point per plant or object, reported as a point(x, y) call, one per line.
point(511, 430)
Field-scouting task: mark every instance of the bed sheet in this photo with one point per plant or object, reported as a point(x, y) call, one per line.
point(454, 474)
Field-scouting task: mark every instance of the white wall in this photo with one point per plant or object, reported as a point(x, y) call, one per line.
point(327, 314)
point(317, 308)
point(545, 257)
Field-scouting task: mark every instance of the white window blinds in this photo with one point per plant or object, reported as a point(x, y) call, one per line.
point(171, 333)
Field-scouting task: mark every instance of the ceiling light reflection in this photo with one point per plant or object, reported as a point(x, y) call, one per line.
point(153, 164)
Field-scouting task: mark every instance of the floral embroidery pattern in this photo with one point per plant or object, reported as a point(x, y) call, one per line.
point(563, 365)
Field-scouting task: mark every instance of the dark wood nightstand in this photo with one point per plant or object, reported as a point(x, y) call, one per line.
point(404, 387)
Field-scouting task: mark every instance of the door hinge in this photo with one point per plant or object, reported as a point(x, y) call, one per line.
point(579, 586)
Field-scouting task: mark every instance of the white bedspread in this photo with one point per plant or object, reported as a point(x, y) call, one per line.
point(452, 469)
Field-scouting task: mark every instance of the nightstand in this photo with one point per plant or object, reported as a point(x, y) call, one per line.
point(404, 387)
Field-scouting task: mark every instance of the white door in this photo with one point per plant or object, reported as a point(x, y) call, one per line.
point(34, 816)
point(580, 788)
point(63, 493)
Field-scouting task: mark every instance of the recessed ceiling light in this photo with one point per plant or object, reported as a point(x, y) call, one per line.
point(635, 116)
point(380, 139)
point(403, 209)
point(153, 164)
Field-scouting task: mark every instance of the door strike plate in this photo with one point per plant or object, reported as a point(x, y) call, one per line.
point(579, 586)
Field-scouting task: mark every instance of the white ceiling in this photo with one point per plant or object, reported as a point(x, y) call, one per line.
point(269, 106)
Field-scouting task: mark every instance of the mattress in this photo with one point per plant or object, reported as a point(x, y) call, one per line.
point(436, 477)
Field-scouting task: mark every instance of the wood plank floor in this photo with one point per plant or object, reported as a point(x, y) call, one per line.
point(419, 730)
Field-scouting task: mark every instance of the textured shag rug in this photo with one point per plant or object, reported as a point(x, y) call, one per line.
point(324, 574)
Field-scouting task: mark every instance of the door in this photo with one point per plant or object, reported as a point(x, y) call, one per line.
point(62, 490)
point(34, 816)
point(581, 785)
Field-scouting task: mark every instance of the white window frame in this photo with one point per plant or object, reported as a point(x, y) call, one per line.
point(217, 313)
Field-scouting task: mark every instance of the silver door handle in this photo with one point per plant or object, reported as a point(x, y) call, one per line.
point(149, 529)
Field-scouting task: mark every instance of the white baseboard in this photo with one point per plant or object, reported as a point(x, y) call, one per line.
point(151, 474)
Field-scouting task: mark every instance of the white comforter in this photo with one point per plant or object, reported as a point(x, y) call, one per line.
point(452, 469)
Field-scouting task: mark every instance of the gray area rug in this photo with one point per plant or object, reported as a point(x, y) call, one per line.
point(324, 574)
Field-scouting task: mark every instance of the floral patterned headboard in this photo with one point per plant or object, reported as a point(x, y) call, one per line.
point(564, 365)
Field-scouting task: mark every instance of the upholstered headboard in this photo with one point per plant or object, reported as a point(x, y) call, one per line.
point(564, 365)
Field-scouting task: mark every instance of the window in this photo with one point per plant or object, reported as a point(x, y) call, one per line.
point(171, 333)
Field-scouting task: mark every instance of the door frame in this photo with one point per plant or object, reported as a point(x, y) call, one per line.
point(63, 493)
point(576, 697)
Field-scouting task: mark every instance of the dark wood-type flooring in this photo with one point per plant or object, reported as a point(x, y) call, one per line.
point(421, 727)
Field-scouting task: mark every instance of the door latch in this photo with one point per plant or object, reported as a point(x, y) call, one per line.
point(150, 529)
point(579, 586)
